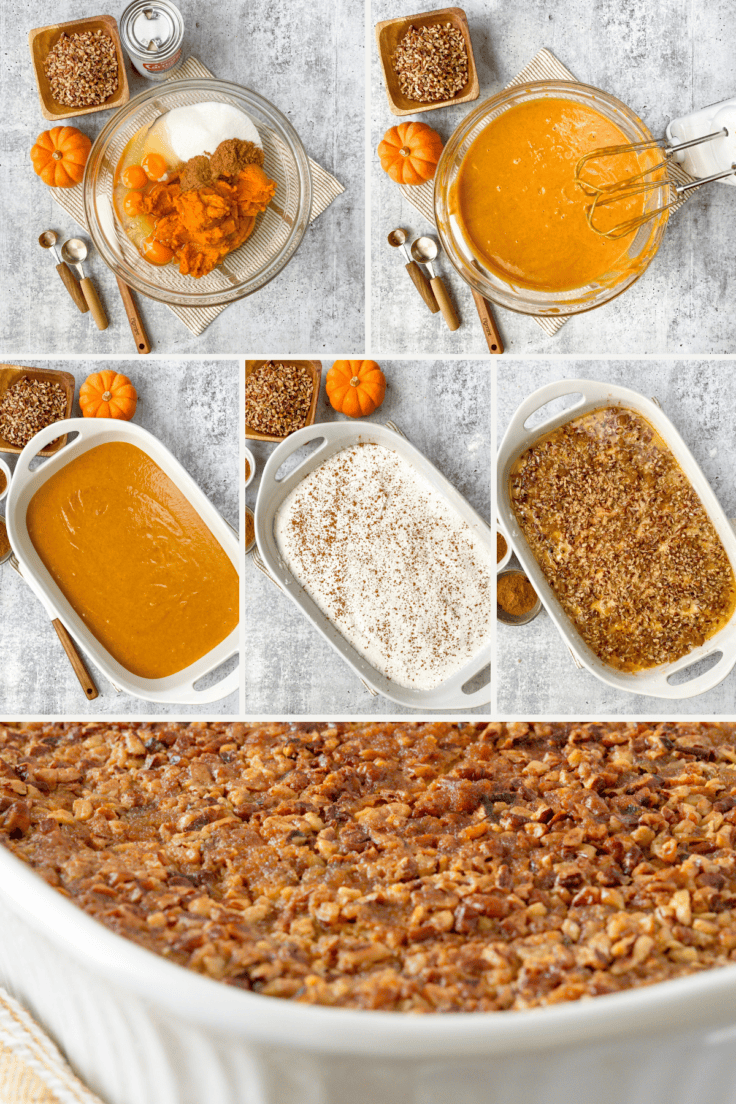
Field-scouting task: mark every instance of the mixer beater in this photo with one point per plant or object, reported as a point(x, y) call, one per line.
point(703, 157)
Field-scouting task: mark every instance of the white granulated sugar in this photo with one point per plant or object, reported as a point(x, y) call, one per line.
point(386, 558)
point(199, 128)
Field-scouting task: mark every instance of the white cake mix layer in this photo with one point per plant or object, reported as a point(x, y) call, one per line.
point(403, 577)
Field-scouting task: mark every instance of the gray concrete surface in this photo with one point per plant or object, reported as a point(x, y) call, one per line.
point(536, 674)
point(192, 407)
point(308, 59)
point(444, 409)
point(663, 58)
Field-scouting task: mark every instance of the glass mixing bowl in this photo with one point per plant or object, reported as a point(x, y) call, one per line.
point(489, 283)
point(278, 230)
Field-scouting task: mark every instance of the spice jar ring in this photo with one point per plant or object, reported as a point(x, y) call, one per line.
point(516, 619)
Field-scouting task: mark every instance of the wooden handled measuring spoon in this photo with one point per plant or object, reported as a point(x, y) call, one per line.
point(424, 250)
point(397, 238)
point(74, 252)
point(135, 321)
point(80, 670)
point(48, 240)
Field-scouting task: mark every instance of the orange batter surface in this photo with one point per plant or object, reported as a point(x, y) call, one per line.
point(518, 205)
point(134, 559)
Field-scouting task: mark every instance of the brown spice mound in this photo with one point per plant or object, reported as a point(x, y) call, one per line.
point(29, 406)
point(501, 547)
point(424, 867)
point(232, 155)
point(278, 397)
point(515, 594)
point(82, 69)
point(229, 159)
point(4, 541)
point(3, 481)
point(250, 529)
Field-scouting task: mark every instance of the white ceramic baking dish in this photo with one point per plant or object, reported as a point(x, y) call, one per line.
point(518, 437)
point(90, 432)
point(332, 438)
point(141, 1030)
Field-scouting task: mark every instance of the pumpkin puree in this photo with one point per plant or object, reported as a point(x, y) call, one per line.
point(134, 559)
point(519, 207)
point(200, 227)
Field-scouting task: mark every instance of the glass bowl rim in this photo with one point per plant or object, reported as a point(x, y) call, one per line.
point(221, 296)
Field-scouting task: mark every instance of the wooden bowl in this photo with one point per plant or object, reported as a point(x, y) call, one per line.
point(41, 41)
point(11, 373)
point(388, 35)
point(314, 366)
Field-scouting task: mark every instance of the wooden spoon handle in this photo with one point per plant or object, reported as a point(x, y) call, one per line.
point(142, 343)
point(448, 311)
point(80, 670)
point(421, 283)
point(488, 322)
point(98, 312)
point(71, 284)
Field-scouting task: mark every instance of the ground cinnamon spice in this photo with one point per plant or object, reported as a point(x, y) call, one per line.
point(501, 547)
point(4, 542)
point(250, 530)
point(515, 594)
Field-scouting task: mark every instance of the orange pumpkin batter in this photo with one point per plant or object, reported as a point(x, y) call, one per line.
point(519, 207)
point(134, 559)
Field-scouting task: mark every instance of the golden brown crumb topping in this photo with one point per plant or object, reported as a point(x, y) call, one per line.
point(401, 866)
point(623, 539)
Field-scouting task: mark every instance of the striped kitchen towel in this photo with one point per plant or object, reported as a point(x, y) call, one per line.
point(544, 66)
point(32, 1069)
point(243, 262)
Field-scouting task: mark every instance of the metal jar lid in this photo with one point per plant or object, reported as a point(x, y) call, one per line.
point(153, 31)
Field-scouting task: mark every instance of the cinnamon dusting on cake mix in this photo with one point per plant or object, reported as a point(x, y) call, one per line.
point(403, 577)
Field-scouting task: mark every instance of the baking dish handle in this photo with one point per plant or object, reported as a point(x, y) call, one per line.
point(282, 453)
point(81, 426)
point(517, 430)
point(660, 687)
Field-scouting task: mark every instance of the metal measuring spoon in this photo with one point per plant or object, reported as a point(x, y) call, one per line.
point(397, 239)
point(74, 252)
point(48, 240)
point(425, 251)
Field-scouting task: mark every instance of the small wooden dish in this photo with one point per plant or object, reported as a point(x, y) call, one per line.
point(11, 373)
point(314, 366)
point(41, 41)
point(388, 35)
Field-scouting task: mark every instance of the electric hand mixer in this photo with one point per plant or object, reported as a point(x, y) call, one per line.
point(704, 145)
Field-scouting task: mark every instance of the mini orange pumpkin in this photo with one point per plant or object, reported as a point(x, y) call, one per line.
point(409, 152)
point(108, 395)
point(59, 156)
point(355, 387)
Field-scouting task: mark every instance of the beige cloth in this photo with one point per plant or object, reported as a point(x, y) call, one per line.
point(325, 189)
point(544, 66)
point(32, 1070)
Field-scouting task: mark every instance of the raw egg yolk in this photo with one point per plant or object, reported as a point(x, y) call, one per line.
point(133, 204)
point(134, 177)
point(154, 166)
point(156, 252)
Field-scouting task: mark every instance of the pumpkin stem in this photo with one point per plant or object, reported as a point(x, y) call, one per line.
point(405, 151)
point(106, 396)
point(57, 155)
point(355, 382)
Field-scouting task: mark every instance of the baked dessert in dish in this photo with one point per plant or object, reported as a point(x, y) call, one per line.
point(422, 867)
point(623, 539)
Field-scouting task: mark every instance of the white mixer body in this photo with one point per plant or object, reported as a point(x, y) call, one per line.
point(710, 157)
